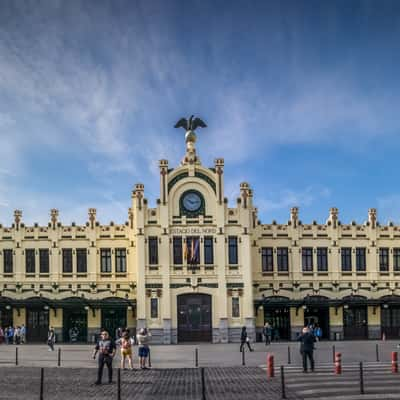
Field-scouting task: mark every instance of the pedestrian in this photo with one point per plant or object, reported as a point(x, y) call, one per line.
point(244, 339)
point(10, 334)
point(1, 335)
point(106, 349)
point(17, 335)
point(126, 350)
point(143, 338)
point(51, 338)
point(307, 340)
point(318, 333)
point(23, 334)
point(267, 332)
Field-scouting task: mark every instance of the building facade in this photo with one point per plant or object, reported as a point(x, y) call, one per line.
point(194, 269)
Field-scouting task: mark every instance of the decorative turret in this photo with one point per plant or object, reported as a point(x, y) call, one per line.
point(92, 217)
point(163, 165)
point(219, 170)
point(294, 216)
point(333, 217)
point(17, 218)
point(245, 194)
point(138, 195)
point(54, 217)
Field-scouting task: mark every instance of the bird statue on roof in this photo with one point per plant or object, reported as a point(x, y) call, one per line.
point(190, 124)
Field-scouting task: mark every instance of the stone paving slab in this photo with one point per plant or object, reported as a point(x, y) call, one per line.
point(233, 383)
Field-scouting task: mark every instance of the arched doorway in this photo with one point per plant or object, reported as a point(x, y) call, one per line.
point(194, 318)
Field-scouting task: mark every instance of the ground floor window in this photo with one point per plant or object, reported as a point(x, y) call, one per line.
point(355, 322)
point(279, 319)
point(74, 325)
point(390, 322)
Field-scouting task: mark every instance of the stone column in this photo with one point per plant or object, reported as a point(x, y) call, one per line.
point(296, 321)
point(374, 322)
point(335, 322)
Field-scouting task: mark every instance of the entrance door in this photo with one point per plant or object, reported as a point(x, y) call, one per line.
point(355, 323)
point(74, 325)
point(194, 318)
point(6, 318)
point(390, 322)
point(37, 325)
point(318, 316)
point(113, 319)
point(279, 319)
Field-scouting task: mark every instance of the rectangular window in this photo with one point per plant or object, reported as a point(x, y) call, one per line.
point(154, 307)
point(346, 259)
point(153, 250)
point(267, 259)
point(283, 259)
point(192, 250)
point(384, 259)
point(177, 250)
point(361, 261)
point(8, 261)
point(307, 259)
point(30, 261)
point(44, 261)
point(120, 260)
point(81, 261)
point(233, 250)
point(396, 259)
point(105, 261)
point(235, 307)
point(322, 259)
point(67, 261)
point(208, 250)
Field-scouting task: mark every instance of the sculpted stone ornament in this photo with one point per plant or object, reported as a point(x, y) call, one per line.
point(190, 137)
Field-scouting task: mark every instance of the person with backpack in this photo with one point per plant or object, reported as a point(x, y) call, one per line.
point(143, 339)
point(307, 340)
point(244, 339)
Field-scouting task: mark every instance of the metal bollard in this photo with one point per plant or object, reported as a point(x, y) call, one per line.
point(333, 353)
point(395, 366)
point(361, 379)
point(196, 357)
point(41, 383)
point(289, 361)
point(377, 352)
point(119, 384)
point(59, 357)
point(338, 363)
point(283, 383)
point(203, 384)
point(270, 366)
point(16, 356)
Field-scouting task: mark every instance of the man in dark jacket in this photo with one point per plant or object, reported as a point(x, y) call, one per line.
point(307, 340)
point(106, 349)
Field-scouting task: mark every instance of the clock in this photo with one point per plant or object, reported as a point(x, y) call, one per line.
point(191, 201)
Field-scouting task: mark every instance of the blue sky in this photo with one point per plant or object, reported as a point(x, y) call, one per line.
point(301, 99)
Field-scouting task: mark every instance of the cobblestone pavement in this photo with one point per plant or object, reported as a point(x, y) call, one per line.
point(233, 383)
point(210, 355)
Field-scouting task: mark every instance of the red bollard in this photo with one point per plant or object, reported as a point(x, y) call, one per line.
point(270, 366)
point(395, 365)
point(338, 363)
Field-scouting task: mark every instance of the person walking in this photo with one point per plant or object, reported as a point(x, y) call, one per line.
point(244, 339)
point(23, 334)
point(51, 338)
point(143, 339)
point(1, 335)
point(126, 350)
point(267, 332)
point(307, 340)
point(106, 349)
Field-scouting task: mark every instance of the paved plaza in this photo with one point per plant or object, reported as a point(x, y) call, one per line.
point(174, 375)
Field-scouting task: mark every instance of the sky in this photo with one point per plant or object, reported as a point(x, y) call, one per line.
point(301, 99)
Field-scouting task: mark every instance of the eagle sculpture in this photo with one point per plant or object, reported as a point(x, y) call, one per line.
point(190, 124)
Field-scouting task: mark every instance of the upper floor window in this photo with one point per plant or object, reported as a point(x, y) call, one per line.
point(44, 261)
point(120, 260)
point(307, 259)
point(30, 261)
point(322, 259)
point(208, 250)
point(384, 259)
point(105, 260)
point(267, 259)
point(154, 307)
point(177, 250)
point(192, 250)
point(232, 250)
point(396, 259)
point(8, 261)
point(346, 259)
point(361, 261)
point(283, 259)
point(81, 261)
point(153, 250)
point(235, 307)
point(67, 261)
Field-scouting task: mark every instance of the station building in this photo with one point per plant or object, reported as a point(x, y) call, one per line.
point(194, 269)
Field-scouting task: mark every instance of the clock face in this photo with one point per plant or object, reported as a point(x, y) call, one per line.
point(191, 201)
